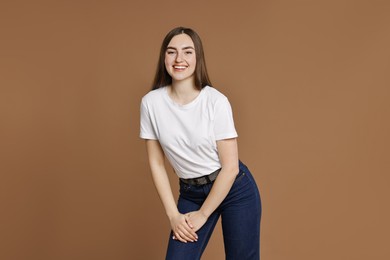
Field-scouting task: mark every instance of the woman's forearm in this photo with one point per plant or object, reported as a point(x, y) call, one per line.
point(160, 176)
point(164, 190)
point(219, 191)
point(228, 155)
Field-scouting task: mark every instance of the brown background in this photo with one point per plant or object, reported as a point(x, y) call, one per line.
point(309, 85)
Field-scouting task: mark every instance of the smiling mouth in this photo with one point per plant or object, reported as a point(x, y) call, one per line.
point(180, 67)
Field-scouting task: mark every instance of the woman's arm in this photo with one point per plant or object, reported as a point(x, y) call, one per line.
point(179, 225)
point(228, 155)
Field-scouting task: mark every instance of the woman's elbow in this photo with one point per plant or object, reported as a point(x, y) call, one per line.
point(230, 171)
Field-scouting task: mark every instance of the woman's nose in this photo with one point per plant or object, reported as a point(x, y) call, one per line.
point(179, 57)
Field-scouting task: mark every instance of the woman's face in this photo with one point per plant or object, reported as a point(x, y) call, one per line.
point(180, 58)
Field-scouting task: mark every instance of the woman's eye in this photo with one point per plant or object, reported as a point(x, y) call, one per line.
point(170, 52)
point(188, 52)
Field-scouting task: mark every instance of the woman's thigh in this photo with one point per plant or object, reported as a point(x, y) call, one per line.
point(241, 214)
point(191, 250)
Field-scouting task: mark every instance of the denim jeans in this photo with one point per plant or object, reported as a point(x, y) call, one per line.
point(240, 215)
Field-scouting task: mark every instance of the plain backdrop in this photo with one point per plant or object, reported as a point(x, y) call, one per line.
point(309, 85)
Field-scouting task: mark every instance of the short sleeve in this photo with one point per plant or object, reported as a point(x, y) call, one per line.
point(223, 120)
point(146, 126)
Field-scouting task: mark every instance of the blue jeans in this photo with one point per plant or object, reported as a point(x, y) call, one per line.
point(240, 213)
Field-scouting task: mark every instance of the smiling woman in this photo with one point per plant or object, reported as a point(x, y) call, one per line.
point(180, 58)
point(191, 123)
point(162, 77)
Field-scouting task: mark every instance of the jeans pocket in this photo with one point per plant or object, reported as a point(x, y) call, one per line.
point(184, 187)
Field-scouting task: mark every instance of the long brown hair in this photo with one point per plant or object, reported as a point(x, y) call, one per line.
point(162, 78)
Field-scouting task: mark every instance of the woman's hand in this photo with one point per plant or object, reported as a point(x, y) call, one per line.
point(182, 231)
point(196, 219)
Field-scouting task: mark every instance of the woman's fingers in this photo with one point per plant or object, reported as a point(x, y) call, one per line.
point(178, 237)
point(187, 217)
point(189, 223)
point(184, 233)
point(182, 230)
point(181, 236)
point(191, 233)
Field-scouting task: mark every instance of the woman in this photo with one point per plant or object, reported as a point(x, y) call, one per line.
point(191, 123)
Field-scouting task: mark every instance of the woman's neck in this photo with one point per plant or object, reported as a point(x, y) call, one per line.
point(183, 92)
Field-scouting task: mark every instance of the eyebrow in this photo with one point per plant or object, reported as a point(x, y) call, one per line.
point(184, 48)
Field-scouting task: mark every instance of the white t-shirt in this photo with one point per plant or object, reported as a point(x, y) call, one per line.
point(188, 133)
